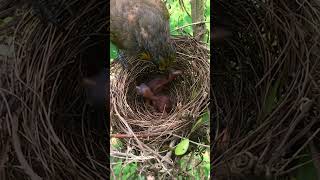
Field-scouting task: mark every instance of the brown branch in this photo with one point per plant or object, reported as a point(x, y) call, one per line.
point(137, 135)
point(197, 12)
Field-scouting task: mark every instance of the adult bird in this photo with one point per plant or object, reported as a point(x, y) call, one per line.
point(142, 27)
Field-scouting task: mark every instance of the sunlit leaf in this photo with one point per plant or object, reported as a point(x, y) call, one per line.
point(182, 147)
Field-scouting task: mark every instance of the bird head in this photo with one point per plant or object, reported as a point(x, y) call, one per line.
point(144, 91)
point(165, 63)
point(166, 58)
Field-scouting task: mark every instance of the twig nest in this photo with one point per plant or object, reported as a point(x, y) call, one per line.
point(189, 94)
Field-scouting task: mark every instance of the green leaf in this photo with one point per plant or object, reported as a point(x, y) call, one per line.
point(117, 168)
point(113, 51)
point(202, 120)
point(187, 19)
point(206, 156)
point(182, 147)
point(129, 170)
point(116, 143)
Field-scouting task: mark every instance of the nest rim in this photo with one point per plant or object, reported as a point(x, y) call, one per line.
point(130, 116)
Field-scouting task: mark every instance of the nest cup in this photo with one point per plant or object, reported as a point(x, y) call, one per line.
point(41, 90)
point(189, 93)
point(265, 89)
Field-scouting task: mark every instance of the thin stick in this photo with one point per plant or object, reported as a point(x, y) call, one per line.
point(181, 27)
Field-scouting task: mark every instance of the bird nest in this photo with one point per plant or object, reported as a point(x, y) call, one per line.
point(266, 89)
point(46, 127)
point(131, 118)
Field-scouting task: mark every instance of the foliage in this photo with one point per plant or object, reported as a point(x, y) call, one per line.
point(198, 167)
point(204, 119)
point(113, 52)
point(180, 18)
point(182, 147)
point(127, 171)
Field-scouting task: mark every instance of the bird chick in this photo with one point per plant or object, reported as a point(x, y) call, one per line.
point(161, 103)
point(158, 84)
point(145, 91)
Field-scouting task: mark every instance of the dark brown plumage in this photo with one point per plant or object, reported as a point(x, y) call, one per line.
point(142, 27)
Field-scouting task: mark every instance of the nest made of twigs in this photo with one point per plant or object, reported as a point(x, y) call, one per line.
point(46, 128)
point(130, 116)
point(266, 88)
